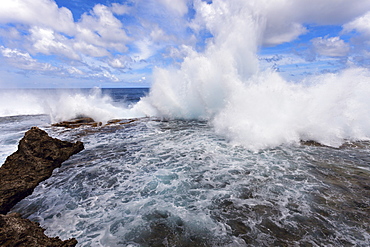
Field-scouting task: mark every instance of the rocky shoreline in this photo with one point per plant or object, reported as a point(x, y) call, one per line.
point(37, 156)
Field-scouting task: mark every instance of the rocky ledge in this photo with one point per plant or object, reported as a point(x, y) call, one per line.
point(78, 122)
point(37, 156)
point(87, 121)
point(16, 231)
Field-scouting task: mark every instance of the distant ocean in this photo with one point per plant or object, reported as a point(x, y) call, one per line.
point(160, 181)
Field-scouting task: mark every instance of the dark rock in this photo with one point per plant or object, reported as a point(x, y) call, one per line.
point(312, 143)
point(34, 161)
point(346, 144)
point(78, 122)
point(122, 121)
point(87, 121)
point(15, 231)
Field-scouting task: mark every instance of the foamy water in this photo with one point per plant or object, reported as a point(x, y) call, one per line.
point(258, 109)
point(218, 161)
point(224, 85)
point(177, 183)
point(65, 104)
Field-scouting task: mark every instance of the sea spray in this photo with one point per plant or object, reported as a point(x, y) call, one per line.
point(205, 80)
point(258, 109)
point(177, 182)
point(65, 104)
point(331, 109)
point(224, 85)
point(19, 102)
point(95, 104)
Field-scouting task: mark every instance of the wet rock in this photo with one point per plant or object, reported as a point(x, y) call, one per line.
point(345, 145)
point(34, 161)
point(15, 231)
point(312, 143)
point(89, 122)
point(78, 122)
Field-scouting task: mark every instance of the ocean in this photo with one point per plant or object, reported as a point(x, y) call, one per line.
point(195, 178)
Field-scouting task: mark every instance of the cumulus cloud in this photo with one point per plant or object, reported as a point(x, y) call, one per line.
point(44, 13)
point(120, 9)
point(328, 12)
point(46, 41)
point(105, 75)
point(332, 47)
point(284, 33)
point(102, 28)
point(24, 61)
point(146, 49)
point(281, 20)
point(52, 30)
point(361, 41)
point(74, 71)
point(284, 18)
point(97, 44)
point(120, 62)
point(360, 24)
point(121, 36)
point(180, 6)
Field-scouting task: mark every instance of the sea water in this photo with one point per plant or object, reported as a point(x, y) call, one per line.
point(219, 152)
point(168, 182)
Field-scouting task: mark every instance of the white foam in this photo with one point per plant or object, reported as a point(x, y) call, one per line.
point(271, 111)
point(257, 109)
point(224, 85)
point(64, 105)
point(96, 105)
point(19, 102)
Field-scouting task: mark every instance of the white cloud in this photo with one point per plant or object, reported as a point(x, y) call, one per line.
point(23, 60)
point(284, 18)
point(74, 71)
point(105, 75)
point(90, 50)
point(120, 62)
point(102, 28)
point(179, 6)
point(11, 33)
point(43, 13)
point(96, 34)
point(281, 34)
point(48, 42)
point(332, 47)
point(157, 34)
point(162, 26)
point(146, 49)
point(279, 20)
point(360, 24)
point(120, 9)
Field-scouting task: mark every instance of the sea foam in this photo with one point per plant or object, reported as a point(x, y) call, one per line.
point(258, 109)
point(224, 84)
point(64, 104)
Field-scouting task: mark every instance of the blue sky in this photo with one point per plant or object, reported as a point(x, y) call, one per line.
point(106, 43)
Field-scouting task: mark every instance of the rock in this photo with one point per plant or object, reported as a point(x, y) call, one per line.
point(78, 122)
point(15, 231)
point(87, 121)
point(312, 143)
point(34, 161)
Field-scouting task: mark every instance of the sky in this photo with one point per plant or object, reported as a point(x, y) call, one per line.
point(112, 43)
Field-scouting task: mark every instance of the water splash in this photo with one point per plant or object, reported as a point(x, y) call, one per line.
point(258, 109)
point(65, 104)
point(224, 85)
